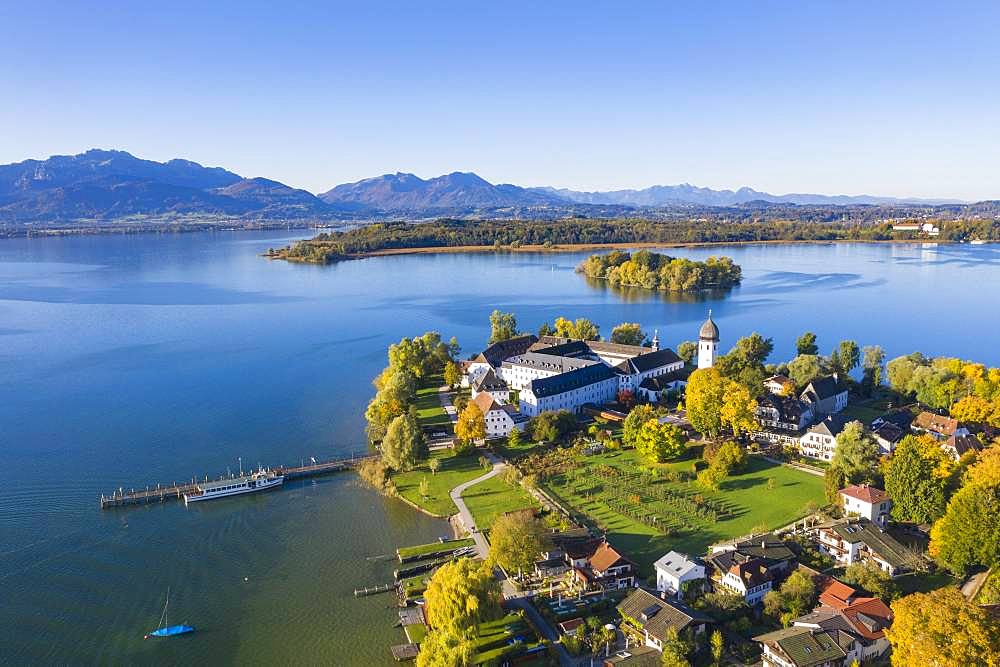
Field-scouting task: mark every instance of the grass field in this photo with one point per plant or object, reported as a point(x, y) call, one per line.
point(433, 547)
point(454, 470)
point(429, 410)
point(745, 499)
point(493, 497)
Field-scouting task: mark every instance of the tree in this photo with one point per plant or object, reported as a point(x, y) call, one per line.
point(969, 532)
point(738, 411)
point(550, 426)
point(806, 345)
point(686, 351)
point(503, 326)
point(396, 391)
point(461, 594)
point(943, 629)
point(874, 357)
point(634, 422)
point(718, 646)
point(628, 333)
point(514, 438)
point(425, 488)
point(516, 540)
point(704, 398)
point(916, 478)
point(973, 409)
point(582, 329)
point(848, 356)
point(452, 374)
point(729, 456)
point(871, 578)
point(658, 442)
point(856, 454)
point(546, 330)
point(795, 597)
point(805, 368)
point(434, 465)
point(745, 362)
point(712, 477)
point(471, 424)
point(403, 443)
point(440, 648)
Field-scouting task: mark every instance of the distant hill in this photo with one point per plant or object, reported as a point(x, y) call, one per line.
point(103, 186)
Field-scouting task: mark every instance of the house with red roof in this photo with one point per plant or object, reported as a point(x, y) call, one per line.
point(606, 568)
point(868, 502)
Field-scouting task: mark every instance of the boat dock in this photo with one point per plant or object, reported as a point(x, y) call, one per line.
point(174, 491)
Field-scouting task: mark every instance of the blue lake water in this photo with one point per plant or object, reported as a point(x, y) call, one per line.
point(131, 360)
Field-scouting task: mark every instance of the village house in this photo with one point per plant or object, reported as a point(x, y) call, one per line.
point(519, 371)
point(802, 647)
point(604, 569)
point(652, 617)
point(867, 502)
point(783, 413)
point(820, 441)
point(675, 569)
point(500, 419)
point(750, 579)
point(489, 382)
point(888, 435)
point(843, 610)
point(852, 541)
point(957, 445)
point(826, 396)
point(937, 426)
point(750, 567)
point(779, 385)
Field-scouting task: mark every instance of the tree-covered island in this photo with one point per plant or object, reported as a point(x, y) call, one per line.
point(652, 270)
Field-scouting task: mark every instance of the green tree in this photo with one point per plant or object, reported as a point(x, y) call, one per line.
point(658, 442)
point(847, 356)
point(718, 646)
point(425, 487)
point(628, 333)
point(856, 454)
point(635, 420)
point(806, 345)
point(874, 358)
point(871, 578)
point(516, 540)
point(729, 456)
point(403, 443)
point(582, 329)
point(805, 368)
point(712, 477)
point(796, 597)
point(514, 439)
point(916, 478)
point(452, 374)
point(471, 424)
point(434, 465)
point(675, 650)
point(969, 532)
point(686, 351)
point(550, 426)
point(943, 629)
point(503, 326)
point(441, 648)
point(461, 594)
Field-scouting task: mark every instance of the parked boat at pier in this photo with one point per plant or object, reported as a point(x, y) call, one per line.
point(262, 480)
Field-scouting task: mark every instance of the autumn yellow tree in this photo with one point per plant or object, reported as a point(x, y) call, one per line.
point(516, 540)
point(471, 424)
point(738, 411)
point(441, 648)
point(461, 594)
point(943, 629)
point(704, 398)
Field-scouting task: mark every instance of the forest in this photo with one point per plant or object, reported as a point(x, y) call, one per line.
point(652, 270)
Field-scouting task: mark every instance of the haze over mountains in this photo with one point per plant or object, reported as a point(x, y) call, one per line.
point(105, 186)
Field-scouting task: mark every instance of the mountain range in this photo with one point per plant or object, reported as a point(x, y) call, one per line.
point(104, 186)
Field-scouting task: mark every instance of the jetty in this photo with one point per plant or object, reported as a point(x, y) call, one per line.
point(175, 491)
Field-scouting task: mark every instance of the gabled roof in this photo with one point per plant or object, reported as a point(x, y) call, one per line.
point(489, 381)
point(882, 544)
point(805, 647)
point(570, 348)
point(823, 388)
point(497, 352)
point(836, 594)
point(677, 564)
point(487, 403)
point(606, 556)
point(661, 382)
point(889, 432)
point(656, 615)
point(790, 408)
point(928, 421)
point(548, 362)
point(651, 360)
point(595, 346)
point(752, 573)
point(961, 444)
point(865, 493)
point(869, 617)
point(901, 418)
point(581, 377)
point(831, 426)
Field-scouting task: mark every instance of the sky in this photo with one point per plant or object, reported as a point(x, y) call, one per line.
point(885, 98)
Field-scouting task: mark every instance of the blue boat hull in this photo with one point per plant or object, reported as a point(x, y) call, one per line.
point(172, 631)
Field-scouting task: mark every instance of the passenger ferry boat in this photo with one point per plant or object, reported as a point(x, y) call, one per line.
point(262, 480)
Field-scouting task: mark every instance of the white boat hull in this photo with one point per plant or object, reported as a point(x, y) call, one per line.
point(236, 489)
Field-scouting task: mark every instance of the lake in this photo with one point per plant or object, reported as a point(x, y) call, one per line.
point(132, 360)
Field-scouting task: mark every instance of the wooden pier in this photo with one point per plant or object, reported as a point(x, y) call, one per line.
point(372, 590)
point(175, 491)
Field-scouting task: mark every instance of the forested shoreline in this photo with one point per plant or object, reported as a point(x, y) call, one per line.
point(329, 247)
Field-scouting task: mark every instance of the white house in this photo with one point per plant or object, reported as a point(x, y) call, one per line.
point(489, 383)
point(867, 502)
point(596, 383)
point(500, 419)
point(708, 343)
point(827, 396)
point(751, 579)
point(673, 569)
point(820, 441)
point(858, 540)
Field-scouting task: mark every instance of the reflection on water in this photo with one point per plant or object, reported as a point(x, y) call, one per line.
point(630, 294)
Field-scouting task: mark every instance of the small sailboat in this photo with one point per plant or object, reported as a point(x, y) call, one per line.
point(168, 630)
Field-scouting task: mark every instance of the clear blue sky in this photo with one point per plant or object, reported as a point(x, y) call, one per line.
point(848, 97)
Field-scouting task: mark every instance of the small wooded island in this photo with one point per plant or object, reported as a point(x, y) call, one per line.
point(652, 270)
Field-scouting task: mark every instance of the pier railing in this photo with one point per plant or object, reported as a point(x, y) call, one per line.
point(175, 491)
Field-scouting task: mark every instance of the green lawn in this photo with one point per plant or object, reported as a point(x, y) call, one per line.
point(428, 404)
point(493, 637)
point(433, 547)
point(747, 501)
point(924, 582)
point(454, 470)
point(493, 497)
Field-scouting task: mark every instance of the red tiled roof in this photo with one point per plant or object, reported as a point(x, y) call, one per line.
point(865, 493)
point(835, 594)
point(929, 421)
point(486, 402)
point(604, 557)
point(570, 625)
point(867, 610)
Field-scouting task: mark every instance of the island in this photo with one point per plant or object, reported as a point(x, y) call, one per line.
point(656, 271)
point(618, 499)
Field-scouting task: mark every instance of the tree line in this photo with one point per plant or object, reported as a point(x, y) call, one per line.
point(651, 270)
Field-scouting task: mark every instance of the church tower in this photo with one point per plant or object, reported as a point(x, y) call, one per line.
point(656, 341)
point(708, 343)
